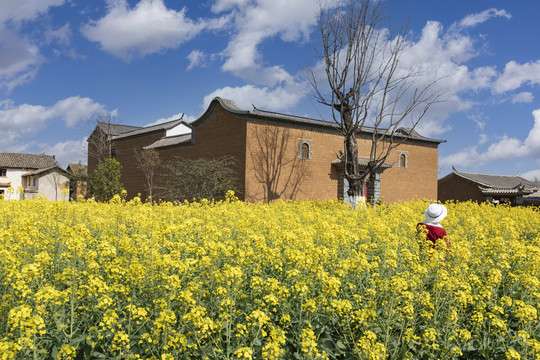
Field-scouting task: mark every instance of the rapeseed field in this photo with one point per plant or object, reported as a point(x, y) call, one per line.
point(288, 280)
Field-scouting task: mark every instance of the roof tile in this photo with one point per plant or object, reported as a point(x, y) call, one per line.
point(26, 161)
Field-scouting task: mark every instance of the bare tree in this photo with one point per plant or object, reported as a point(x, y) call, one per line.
point(366, 86)
point(148, 162)
point(58, 181)
point(273, 166)
point(197, 179)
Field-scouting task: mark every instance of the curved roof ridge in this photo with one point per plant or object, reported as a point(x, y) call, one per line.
point(258, 114)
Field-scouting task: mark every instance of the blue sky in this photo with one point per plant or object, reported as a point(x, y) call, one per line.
point(62, 62)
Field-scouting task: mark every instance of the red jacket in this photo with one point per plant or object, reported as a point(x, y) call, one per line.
point(434, 233)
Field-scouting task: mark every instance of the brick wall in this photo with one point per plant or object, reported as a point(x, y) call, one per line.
point(294, 178)
point(217, 135)
point(417, 180)
point(457, 188)
point(133, 178)
point(321, 180)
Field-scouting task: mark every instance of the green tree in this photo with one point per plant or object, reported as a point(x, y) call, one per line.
point(105, 180)
point(186, 179)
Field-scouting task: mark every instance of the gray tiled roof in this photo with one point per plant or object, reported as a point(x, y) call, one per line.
point(230, 106)
point(170, 141)
point(116, 129)
point(534, 196)
point(40, 171)
point(26, 161)
point(497, 181)
point(292, 118)
point(143, 130)
point(77, 168)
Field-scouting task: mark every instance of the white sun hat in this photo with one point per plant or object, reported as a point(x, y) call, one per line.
point(435, 213)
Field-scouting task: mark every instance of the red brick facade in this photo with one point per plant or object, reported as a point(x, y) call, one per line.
point(279, 157)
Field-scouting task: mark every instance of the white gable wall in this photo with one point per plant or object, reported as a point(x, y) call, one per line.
point(180, 129)
point(51, 185)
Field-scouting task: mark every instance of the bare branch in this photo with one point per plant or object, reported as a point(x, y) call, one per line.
point(367, 87)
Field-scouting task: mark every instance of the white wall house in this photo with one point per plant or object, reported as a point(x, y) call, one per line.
point(29, 176)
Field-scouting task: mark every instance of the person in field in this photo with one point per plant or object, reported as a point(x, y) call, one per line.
point(435, 213)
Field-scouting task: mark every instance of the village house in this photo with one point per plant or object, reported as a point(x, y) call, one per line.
point(78, 180)
point(280, 156)
point(464, 186)
point(27, 176)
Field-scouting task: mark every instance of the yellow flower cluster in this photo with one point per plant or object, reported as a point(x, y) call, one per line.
point(305, 280)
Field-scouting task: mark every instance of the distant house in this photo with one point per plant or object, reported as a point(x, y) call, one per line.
point(78, 180)
point(25, 176)
point(280, 156)
point(463, 186)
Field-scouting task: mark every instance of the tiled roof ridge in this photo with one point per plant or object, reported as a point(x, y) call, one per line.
point(402, 131)
point(116, 129)
point(494, 181)
point(145, 129)
point(42, 170)
point(256, 110)
point(465, 172)
point(27, 161)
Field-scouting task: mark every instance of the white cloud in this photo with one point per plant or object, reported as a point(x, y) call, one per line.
point(277, 99)
point(482, 139)
point(466, 157)
point(67, 152)
point(17, 10)
point(196, 58)
point(60, 35)
point(19, 56)
point(258, 20)
point(523, 97)
point(479, 18)
point(148, 28)
point(75, 109)
point(505, 148)
point(479, 120)
point(515, 75)
point(17, 121)
point(19, 59)
point(186, 118)
point(224, 5)
point(532, 175)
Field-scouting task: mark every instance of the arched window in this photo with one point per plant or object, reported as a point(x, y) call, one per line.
point(402, 160)
point(304, 151)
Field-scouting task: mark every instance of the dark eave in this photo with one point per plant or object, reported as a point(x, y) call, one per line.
point(170, 141)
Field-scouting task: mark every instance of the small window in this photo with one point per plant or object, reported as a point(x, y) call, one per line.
point(35, 181)
point(402, 160)
point(3, 172)
point(304, 151)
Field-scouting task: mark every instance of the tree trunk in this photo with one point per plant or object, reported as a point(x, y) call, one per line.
point(357, 185)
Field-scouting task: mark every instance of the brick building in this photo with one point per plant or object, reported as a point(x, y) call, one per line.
point(464, 186)
point(279, 155)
